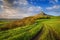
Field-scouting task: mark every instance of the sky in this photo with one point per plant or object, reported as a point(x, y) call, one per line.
point(25, 8)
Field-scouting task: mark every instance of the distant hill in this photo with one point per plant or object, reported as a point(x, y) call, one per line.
point(25, 21)
point(42, 15)
point(37, 27)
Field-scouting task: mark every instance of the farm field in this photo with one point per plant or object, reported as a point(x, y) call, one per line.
point(43, 29)
point(29, 19)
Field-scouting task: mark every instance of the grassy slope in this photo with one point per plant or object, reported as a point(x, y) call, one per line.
point(50, 27)
point(21, 33)
point(51, 31)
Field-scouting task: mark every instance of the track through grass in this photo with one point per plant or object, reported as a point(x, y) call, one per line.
point(43, 29)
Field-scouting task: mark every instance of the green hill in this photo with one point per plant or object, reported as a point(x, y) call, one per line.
point(37, 27)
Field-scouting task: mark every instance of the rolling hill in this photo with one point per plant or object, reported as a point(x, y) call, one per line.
point(37, 27)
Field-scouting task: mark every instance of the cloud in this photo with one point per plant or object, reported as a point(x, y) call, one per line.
point(1, 8)
point(53, 1)
point(19, 9)
point(28, 11)
point(56, 0)
point(20, 2)
point(53, 7)
point(1, 0)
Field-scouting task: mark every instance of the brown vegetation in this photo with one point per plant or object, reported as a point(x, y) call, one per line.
point(25, 21)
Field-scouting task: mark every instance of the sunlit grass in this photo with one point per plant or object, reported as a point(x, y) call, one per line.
point(27, 32)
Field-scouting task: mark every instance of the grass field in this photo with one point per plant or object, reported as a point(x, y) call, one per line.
point(42, 29)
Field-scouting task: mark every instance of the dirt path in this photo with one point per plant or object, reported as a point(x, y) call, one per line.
point(40, 33)
point(54, 33)
point(36, 37)
point(51, 33)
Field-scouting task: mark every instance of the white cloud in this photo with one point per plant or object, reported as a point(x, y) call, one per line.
point(53, 1)
point(23, 10)
point(20, 2)
point(55, 10)
point(1, 0)
point(56, 0)
point(1, 6)
point(53, 7)
point(32, 9)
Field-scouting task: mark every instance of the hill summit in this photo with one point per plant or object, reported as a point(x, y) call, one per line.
point(42, 14)
point(25, 21)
